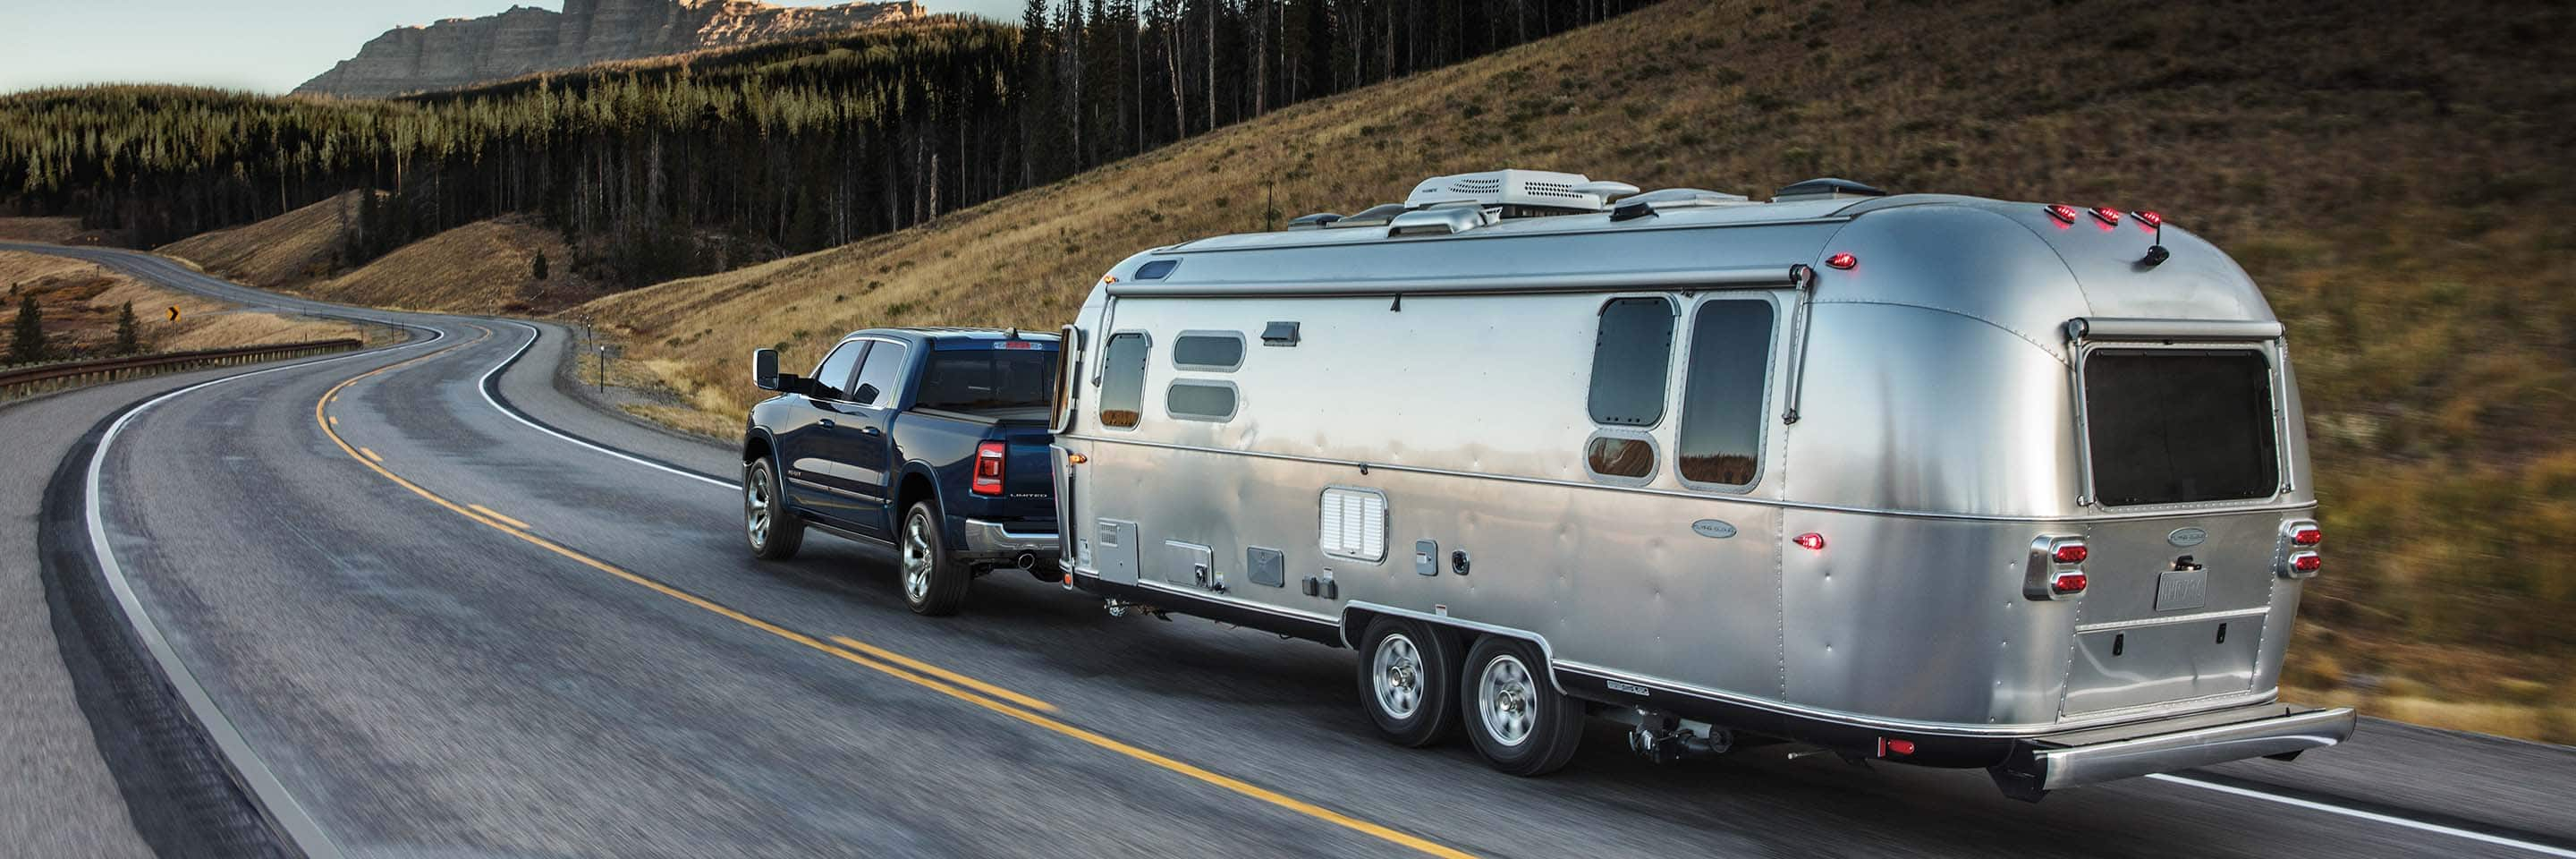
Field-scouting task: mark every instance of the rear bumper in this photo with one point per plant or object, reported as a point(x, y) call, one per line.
point(2046, 763)
point(998, 540)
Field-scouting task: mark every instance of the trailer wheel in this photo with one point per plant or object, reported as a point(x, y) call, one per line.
point(1408, 680)
point(1514, 713)
point(773, 530)
point(933, 583)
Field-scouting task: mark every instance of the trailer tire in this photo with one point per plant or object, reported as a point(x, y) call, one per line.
point(1514, 713)
point(1408, 673)
point(934, 584)
point(768, 525)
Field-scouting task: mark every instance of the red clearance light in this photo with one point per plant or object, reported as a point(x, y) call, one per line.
point(2307, 562)
point(2307, 536)
point(1812, 541)
point(2069, 582)
point(2062, 212)
point(2151, 219)
point(988, 469)
point(2106, 214)
point(1899, 748)
point(2072, 553)
point(1842, 261)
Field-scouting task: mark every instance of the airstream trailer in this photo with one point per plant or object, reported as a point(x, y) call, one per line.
point(1930, 479)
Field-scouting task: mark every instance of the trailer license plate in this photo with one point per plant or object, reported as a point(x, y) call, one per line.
point(2182, 589)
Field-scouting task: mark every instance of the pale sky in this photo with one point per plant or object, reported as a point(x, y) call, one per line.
point(261, 45)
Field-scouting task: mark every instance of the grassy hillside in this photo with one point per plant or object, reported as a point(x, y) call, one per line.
point(2394, 176)
point(483, 266)
point(79, 301)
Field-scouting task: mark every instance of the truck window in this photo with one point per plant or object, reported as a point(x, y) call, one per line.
point(1631, 357)
point(832, 377)
point(1122, 386)
point(1730, 362)
point(982, 380)
point(2175, 426)
point(879, 376)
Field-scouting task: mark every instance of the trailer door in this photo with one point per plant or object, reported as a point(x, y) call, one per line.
point(2174, 605)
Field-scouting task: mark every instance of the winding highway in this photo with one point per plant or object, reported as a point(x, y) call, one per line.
point(434, 605)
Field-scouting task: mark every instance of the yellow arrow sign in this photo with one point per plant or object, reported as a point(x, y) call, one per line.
point(174, 313)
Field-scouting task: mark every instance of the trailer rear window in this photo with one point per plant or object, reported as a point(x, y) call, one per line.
point(1122, 387)
point(987, 379)
point(2173, 426)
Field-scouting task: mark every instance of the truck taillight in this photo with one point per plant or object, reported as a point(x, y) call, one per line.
point(988, 468)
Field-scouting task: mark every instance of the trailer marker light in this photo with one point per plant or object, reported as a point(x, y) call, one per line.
point(2071, 553)
point(2106, 214)
point(1813, 542)
point(2307, 562)
point(2308, 536)
point(1842, 261)
point(2069, 582)
point(1899, 748)
point(2062, 212)
point(988, 469)
point(2151, 219)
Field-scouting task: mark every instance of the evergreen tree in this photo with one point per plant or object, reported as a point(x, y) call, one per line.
point(129, 341)
point(537, 269)
point(27, 339)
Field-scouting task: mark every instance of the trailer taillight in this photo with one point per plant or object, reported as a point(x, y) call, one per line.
point(2072, 553)
point(2307, 562)
point(2062, 212)
point(2068, 582)
point(2307, 536)
point(988, 468)
point(1843, 261)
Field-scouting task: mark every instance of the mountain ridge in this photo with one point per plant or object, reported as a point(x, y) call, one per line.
point(522, 40)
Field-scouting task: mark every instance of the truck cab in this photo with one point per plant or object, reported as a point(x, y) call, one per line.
point(932, 441)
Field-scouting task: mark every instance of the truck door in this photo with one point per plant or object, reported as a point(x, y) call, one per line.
point(866, 438)
point(808, 446)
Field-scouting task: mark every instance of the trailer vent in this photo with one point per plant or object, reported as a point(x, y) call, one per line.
point(1374, 216)
point(1316, 221)
point(1353, 524)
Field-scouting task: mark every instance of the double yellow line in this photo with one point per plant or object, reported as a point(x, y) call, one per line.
point(1017, 706)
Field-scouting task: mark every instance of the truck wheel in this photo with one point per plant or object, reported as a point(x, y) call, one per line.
point(773, 530)
point(933, 584)
point(1408, 680)
point(1514, 714)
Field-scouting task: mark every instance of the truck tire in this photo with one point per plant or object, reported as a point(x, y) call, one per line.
point(773, 530)
point(1408, 680)
point(1515, 716)
point(933, 583)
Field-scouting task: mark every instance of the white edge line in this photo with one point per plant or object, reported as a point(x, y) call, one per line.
point(485, 385)
point(263, 783)
point(2312, 805)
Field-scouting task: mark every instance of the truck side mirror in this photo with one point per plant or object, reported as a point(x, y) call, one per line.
point(764, 369)
point(866, 395)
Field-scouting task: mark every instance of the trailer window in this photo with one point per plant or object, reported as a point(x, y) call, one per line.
point(1730, 363)
point(1220, 352)
point(1194, 400)
point(1620, 456)
point(2168, 426)
point(1631, 357)
point(1122, 386)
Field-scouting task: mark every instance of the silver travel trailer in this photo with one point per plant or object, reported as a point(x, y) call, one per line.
point(1931, 479)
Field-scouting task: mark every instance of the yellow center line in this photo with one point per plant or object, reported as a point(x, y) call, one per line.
point(944, 674)
point(372, 454)
point(1024, 714)
point(487, 511)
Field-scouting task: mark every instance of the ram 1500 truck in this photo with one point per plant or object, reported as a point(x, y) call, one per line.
point(931, 440)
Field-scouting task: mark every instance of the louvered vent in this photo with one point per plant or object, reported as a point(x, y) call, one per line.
point(1354, 524)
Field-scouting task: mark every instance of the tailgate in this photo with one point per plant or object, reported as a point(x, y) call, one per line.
point(1028, 472)
point(2174, 609)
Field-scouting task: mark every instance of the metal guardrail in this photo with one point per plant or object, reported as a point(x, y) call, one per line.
point(47, 377)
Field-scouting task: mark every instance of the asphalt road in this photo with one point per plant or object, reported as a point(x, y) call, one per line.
point(449, 632)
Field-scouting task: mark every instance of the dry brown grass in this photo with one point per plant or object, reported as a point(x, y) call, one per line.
point(80, 300)
point(55, 231)
point(283, 252)
point(480, 267)
point(2394, 175)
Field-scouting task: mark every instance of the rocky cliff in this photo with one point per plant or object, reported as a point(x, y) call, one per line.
point(524, 40)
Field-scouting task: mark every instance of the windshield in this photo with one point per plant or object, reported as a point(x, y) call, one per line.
point(2178, 426)
point(977, 380)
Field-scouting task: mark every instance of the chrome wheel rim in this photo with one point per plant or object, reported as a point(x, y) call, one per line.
point(1505, 695)
point(916, 558)
point(755, 506)
point(1396, 675)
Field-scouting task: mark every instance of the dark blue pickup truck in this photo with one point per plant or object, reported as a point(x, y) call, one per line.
point(932, 440)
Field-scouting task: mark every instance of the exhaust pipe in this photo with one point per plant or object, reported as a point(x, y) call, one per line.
point(1026, 560)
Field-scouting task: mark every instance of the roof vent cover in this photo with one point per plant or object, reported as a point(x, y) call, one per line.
point(1824, 189)
point(1510, 188)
